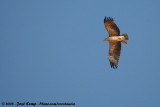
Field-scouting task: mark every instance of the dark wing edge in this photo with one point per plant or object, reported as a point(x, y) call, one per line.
point(111, 27)
point(114, 54)
point(108, 19)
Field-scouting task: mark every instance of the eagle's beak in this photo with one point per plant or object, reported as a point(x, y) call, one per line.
point(106, 39)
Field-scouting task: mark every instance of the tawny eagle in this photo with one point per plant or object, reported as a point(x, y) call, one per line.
point(115, 40)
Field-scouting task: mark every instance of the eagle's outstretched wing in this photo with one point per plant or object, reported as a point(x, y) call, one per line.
point(111, 27)
point(114, 53)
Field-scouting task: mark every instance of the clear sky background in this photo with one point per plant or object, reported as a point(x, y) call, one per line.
point(54, 51)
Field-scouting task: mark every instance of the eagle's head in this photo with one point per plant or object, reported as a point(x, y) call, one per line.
point(107, 39)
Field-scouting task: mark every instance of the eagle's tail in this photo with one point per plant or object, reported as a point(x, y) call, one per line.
point(126, 36)
point(124, 42)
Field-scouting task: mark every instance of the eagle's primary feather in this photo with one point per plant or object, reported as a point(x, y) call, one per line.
point(115, 46)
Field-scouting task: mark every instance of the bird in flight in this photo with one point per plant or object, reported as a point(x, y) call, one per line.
point(115, 40)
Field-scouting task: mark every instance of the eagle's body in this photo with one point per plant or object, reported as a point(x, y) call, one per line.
point(115, 40)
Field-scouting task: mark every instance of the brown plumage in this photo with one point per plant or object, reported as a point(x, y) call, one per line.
point(111, 27)
point(114, 41)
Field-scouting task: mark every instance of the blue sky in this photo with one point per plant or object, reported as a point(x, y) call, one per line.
point(53, 51)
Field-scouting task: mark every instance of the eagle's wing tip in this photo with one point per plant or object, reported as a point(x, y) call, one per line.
point(105, 19)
